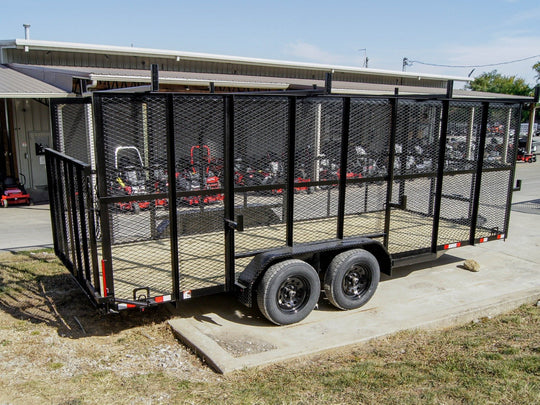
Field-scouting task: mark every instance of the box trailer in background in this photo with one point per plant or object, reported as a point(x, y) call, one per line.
point(272, 197)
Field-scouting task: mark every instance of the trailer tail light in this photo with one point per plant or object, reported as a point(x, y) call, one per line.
point(163, 298)
point(452, 245)
point(500, 236)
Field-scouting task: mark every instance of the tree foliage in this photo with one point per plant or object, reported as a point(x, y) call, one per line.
point(493, 82)
point(536, 67)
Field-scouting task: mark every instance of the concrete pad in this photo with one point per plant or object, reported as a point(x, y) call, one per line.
point(25, 227)
point(230, 337)
point(435, 295)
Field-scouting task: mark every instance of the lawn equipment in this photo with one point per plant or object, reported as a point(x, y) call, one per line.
point(130, 178)
point(13, 192)
point(523, 156)
point(199, 177)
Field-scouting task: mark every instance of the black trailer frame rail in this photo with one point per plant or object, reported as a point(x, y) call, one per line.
point(189, 189)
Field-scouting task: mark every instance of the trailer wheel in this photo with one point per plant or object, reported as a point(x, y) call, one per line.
point(136, 209)
point(351, 279)
point(288, 292)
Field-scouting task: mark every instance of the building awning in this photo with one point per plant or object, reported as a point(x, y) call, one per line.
point(14, 84)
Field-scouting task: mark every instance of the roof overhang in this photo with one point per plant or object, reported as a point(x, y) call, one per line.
point(14, 84)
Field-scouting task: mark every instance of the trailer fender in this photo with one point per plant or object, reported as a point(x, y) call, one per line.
point(318, 254)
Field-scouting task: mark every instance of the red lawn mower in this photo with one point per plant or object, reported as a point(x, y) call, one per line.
point(199, 177)
point(13, 192)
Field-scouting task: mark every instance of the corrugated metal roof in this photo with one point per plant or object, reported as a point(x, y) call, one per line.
point(14, 84)
point(196, 56)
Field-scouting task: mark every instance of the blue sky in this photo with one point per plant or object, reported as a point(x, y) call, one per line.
point(342, 32)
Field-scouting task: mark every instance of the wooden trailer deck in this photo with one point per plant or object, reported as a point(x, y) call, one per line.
point(201, 256)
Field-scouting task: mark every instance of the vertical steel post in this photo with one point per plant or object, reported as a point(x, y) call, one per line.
point(440, 169)
point(173, 220)
point(52, 198)
point(228, 106)
point(391, 162)
point(82, 219)
point(291, 148)
point(478, 174)
point(345, 124)
point(155, 77)
point(106, 248)
point(508, 208)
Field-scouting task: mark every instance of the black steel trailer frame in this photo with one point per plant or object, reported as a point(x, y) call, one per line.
point(368, 163)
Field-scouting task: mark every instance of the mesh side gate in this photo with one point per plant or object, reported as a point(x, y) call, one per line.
point(317, 158)
point(134, 130)
point(199, 148)
point(367, 160)
point(260, 172)
point(415, 166)
point(72, 220)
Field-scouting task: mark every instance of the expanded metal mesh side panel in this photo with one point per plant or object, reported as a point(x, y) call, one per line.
point(317, 157)
point(368, 150)
point(503, 122)
point(73, 134)
point(369, 138)
point(199, 151)
point(417, 136)
point(492, 209)
point(456, 208)
point(135, 156)
point(463, 136)
point(260, 165)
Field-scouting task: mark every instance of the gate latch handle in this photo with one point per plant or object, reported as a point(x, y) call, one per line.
point(238, 225)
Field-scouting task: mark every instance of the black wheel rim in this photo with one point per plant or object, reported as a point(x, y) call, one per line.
point(293, 294)
point(356, 281)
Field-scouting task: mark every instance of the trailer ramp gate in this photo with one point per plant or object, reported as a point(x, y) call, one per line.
point(178, 192)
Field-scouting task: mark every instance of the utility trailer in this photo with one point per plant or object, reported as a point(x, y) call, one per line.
point(312, 193)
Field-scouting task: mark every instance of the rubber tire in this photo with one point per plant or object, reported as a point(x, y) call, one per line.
point(270, 287)
point(338, 269)
point(136, 209)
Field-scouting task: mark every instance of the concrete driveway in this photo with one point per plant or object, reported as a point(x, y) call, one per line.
point(25, 227)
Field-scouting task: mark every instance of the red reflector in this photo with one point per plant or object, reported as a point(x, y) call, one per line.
point(500, 236)
point(482, 240)
point(104, 280)
point(452, 245)
point(158, 299)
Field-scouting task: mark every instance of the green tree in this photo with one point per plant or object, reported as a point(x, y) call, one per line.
point(493, 82)
point(536, 67)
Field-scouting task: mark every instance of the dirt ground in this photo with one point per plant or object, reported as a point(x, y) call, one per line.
point(50, 332)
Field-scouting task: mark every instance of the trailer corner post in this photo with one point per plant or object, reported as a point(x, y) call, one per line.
point(102, 193)
point(173, 220)
point(479, 169)
point(343, 165)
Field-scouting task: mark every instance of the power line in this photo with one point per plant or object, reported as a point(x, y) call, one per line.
point(408, 62)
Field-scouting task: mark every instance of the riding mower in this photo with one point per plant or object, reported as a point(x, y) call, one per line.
point(199, 177)
point(131, 177)
point(13, 192)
